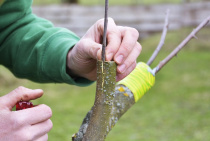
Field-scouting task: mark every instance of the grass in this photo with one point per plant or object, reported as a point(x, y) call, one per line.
point(177, 108)
point(111, 2)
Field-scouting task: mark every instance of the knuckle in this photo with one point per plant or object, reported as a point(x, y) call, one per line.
point(131, 68)
point(134, 32)
point(19, 89)
point(17, 121)
point(100, 21)
point(25, 96)
point(110, 19)
point(13, 120)
point(47, 110)
point(126, 47)
point(114, 34)
point(110, 49)
point(130, 62)
point(27, 135)
point(93, 51)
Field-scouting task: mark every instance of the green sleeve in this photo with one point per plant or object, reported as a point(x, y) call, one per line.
point(32, 48)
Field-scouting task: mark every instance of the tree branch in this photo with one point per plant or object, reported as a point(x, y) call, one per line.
point(105, 30)
point(122, 101)
point(98, 123)
point(181, 45)
point(110, 104)
point(162, 40)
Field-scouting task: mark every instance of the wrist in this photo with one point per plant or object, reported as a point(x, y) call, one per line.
point(69, 66)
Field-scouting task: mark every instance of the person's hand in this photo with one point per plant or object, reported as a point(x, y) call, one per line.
point(122, 47)
point(24, 125)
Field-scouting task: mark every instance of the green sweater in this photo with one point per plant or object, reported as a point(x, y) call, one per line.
point(32, 48)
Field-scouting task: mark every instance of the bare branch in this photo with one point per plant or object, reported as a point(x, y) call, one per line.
point(105, 30)
point(162, 40)
point(181, 45)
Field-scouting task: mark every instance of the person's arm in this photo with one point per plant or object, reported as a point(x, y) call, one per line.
point(32, 47)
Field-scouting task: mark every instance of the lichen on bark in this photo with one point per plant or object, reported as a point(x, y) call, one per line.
point(111, 102)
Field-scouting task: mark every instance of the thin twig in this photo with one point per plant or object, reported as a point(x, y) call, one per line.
point(162, 40)
point(181, 45)
point(105, 30)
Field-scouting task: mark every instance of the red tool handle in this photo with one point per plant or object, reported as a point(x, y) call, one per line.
point(24, 105)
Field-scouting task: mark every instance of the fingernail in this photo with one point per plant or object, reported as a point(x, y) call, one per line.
point(109, 57)
point(121, 68)
point(119, 59)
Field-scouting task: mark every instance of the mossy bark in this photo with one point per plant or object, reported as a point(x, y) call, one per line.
point(111, 102)
point(99, 125)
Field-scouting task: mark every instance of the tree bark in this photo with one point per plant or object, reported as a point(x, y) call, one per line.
point(111, 102)
point(97, 123)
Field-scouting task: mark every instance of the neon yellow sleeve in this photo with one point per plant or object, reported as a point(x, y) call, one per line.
point(140, 80)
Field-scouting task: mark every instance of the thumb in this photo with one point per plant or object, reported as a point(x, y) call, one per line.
point(92, 49)
point(20, 93)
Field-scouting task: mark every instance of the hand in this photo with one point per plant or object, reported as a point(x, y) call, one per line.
point(122, 47)
point(24, 125)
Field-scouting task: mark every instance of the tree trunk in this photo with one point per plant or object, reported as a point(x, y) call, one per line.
point(111, 101)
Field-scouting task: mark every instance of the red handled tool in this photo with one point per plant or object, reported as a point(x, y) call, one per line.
point(23, 105)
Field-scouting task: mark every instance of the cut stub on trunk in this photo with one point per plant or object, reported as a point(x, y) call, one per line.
point(97, 123)
point(112, 101)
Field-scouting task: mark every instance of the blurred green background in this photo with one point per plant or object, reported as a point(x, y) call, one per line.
point(177, 108)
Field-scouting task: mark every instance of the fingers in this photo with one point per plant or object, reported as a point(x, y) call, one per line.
point(42, 138)
point(122, 45)
point(20, 93)
point(130, 37)
point(120, 76)
point(91, 42)
point(36, 132)
point(90, 49)
point(34, 122)
point(33, 115)
point(130, 59)
point(114, 38)
point(39, 131)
